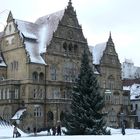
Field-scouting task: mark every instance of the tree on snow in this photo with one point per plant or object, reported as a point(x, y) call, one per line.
point(85, 117)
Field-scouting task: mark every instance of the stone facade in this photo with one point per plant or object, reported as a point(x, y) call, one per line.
point(40, 81)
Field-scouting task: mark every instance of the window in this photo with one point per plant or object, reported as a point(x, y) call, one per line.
point(35, 93)
point(14, 65)
point(56, 92)
point(53, 72)
point(70, 72)
point(50, 116)
point(125, 100)
point(4, 94)
point(116, 99)
point(111, 82)
point(70, 48)
point(37, 111)
point(75, 49)
point(35, 76)
point(41, 76)
point(65, 47)
point(16, 94)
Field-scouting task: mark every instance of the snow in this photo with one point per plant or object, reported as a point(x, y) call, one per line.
point(97, 52)
point(134, 91)
point(33, 51)
point(18, 114)
point(48, 25)
point(6, 133)
point(28, 29)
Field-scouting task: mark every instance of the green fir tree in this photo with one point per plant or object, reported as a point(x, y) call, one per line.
point(86, 117)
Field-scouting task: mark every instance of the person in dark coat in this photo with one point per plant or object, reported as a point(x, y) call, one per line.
point(59, 130)
point(123, 130)
point(34, 131)
point(53, 130)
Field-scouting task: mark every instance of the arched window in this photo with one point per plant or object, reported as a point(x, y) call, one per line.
point(65, 47)
point(76, 49)
point(111, 82)
point(35, 76)
point(70, 48)
point(41, 76)
point(53, 72)
point(50, 116)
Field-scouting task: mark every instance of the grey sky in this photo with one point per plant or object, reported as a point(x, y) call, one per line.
point(98, 18)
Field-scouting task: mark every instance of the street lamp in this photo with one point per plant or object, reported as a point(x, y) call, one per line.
point(122, 115)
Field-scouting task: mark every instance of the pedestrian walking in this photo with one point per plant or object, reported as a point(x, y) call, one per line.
point(15, 132)
point(54, 130)
point(59, 130)
point(34, 131)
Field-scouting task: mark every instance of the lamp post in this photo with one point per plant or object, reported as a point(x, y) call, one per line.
point(122, 115)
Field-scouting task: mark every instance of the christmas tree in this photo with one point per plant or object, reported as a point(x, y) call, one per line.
point(86, 117)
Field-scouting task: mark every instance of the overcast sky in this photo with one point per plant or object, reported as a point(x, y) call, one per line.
point(97, 17)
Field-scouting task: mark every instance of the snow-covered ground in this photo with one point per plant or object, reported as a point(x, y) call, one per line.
point(6, 133)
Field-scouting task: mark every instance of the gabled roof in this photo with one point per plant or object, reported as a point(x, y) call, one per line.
point(27, 29)
point(47, 26)
point(97, 52)
point(39, 34)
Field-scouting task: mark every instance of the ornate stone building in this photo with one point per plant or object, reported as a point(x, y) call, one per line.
point(108, 66)
point(39, 63)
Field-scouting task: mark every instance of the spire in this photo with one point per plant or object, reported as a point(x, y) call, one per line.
point(110, 38)
point(69, 5)
point(10, 17)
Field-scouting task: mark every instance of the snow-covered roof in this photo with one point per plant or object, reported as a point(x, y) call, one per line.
point(97, 52)
point(48, 25)
point(39, 34)
point(134, 91)
point(18, 114)
point(129, 61)
point(27, 29)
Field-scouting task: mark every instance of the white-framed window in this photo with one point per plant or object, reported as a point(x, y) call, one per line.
point(37, 111)
point(16, 93)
